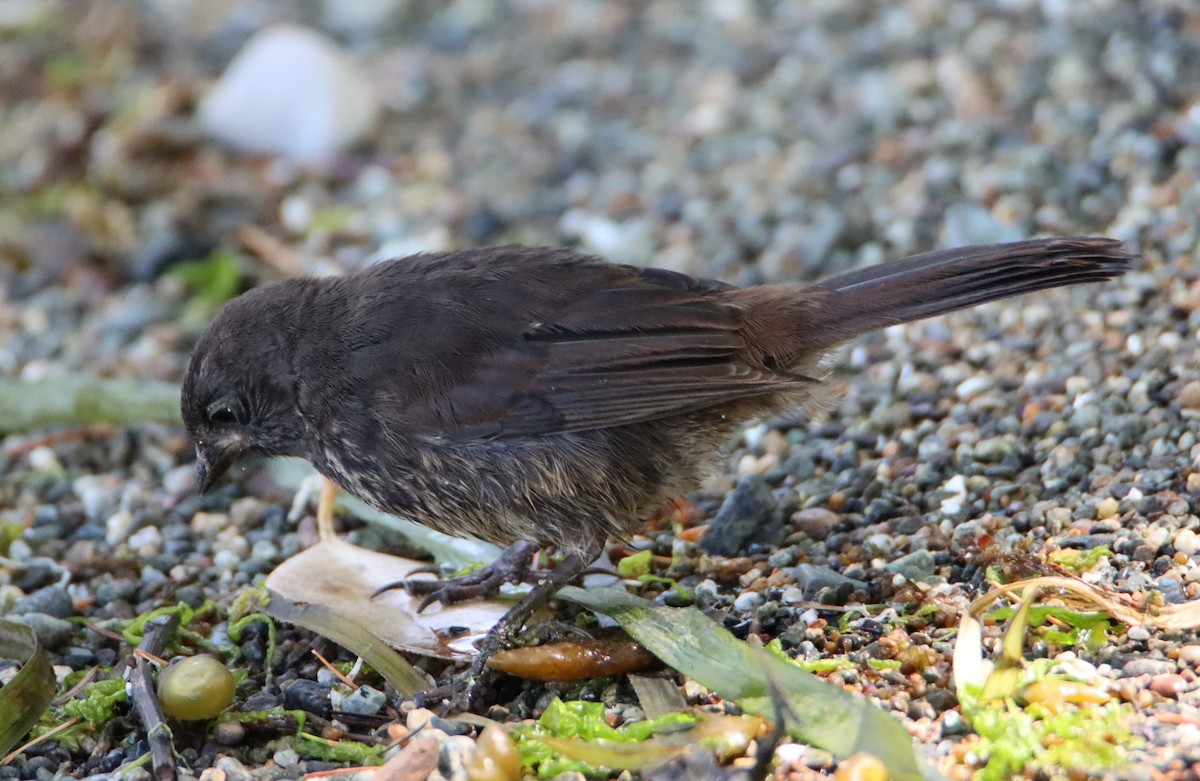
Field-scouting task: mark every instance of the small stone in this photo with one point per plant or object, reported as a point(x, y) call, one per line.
point(693, 691)
point(1189, 655)
point(706, 592)
point(306, 695)
point(1186, 542)
point(993, 450)
point(52, 600)
point(418, 718)
point(457, 750)
point(117, 527)
point(792, 596)
point(146, 541)
point(749, 515)
point(209, 525)
point(879, 545)
point(917, 566)
point(52, 632)
point(967, 224)
point(229, 733)
point(246, 512)
point(955, 494)
point(748, 601)
point(971, 387)
point(1107, 507)
point(286, 758)
point(78, 658)
point(364, 701)
point(1143, 666)
point(816, 522)
point(1138, 634)
point(1188, 396)
point(293, 92)
point(450, 727)
point(812, 579)
point(1168, 685)
point(232, 768)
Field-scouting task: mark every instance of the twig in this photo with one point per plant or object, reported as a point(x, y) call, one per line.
point(82, 401)
point(145, 703)
point(55, 438)
point(271, 251)
point(10, 756)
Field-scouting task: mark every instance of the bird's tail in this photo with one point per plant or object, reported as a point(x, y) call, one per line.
point(938, 282)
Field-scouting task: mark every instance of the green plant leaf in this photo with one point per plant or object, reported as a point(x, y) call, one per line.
point(691, 643)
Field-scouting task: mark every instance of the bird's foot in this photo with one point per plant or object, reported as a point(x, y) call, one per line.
point(465, 691)
point(513, 566)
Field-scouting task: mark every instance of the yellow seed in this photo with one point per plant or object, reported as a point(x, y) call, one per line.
point(196, 688)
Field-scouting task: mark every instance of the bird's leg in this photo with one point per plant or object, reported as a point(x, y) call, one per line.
point(467, 687)
point(513, 566)
point(544, 589)
point(325, 509)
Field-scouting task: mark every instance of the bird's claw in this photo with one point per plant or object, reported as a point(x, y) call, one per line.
point(513, 566)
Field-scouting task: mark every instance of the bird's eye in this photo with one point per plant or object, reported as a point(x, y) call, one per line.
point(227, 412)
point(223, 415)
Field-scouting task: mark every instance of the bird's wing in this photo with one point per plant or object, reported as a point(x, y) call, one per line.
point(583, 346)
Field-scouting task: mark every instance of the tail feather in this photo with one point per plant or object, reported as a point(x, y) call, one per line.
point(944, 281)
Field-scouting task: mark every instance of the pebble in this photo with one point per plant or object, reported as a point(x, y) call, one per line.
point(956, 488)
point(1168, 685)
point(117, 527)
point(1107, 507)
point(972, 387)
point(232, 768)
point(1186, 542)
point(792, 595)
point(917, 567)
point(812, 579)
point(1188, 396)
point(307, 695)
point(286, 758)
point(879, 545)
point(457, 751)
point(749, 515)
point(52, 632)
point(229, 733)
point(816, 522)
point(363, 701)
point(707, 591)
point(52, 600)
point(146, 541)
point(748, 601)
point(1189, 656)
point(290, 91)
point(1137, 667)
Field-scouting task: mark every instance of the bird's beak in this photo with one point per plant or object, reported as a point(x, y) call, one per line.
point(212, 460)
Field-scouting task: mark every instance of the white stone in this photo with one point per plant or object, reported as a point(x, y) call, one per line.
point(1186, 542)
point(117, 527)
point(957, 487)
point(290, 91)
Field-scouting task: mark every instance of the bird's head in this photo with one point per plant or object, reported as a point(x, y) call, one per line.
point(239, 397)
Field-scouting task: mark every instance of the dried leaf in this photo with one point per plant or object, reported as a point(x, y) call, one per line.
point(28, 694)
point(342, 578)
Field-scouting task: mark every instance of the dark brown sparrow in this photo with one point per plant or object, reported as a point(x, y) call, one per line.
point(541, 397)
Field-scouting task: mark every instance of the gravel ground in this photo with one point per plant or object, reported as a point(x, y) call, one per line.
point(749, 141)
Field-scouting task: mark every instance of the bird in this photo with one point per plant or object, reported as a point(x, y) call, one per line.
point(543, 397)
